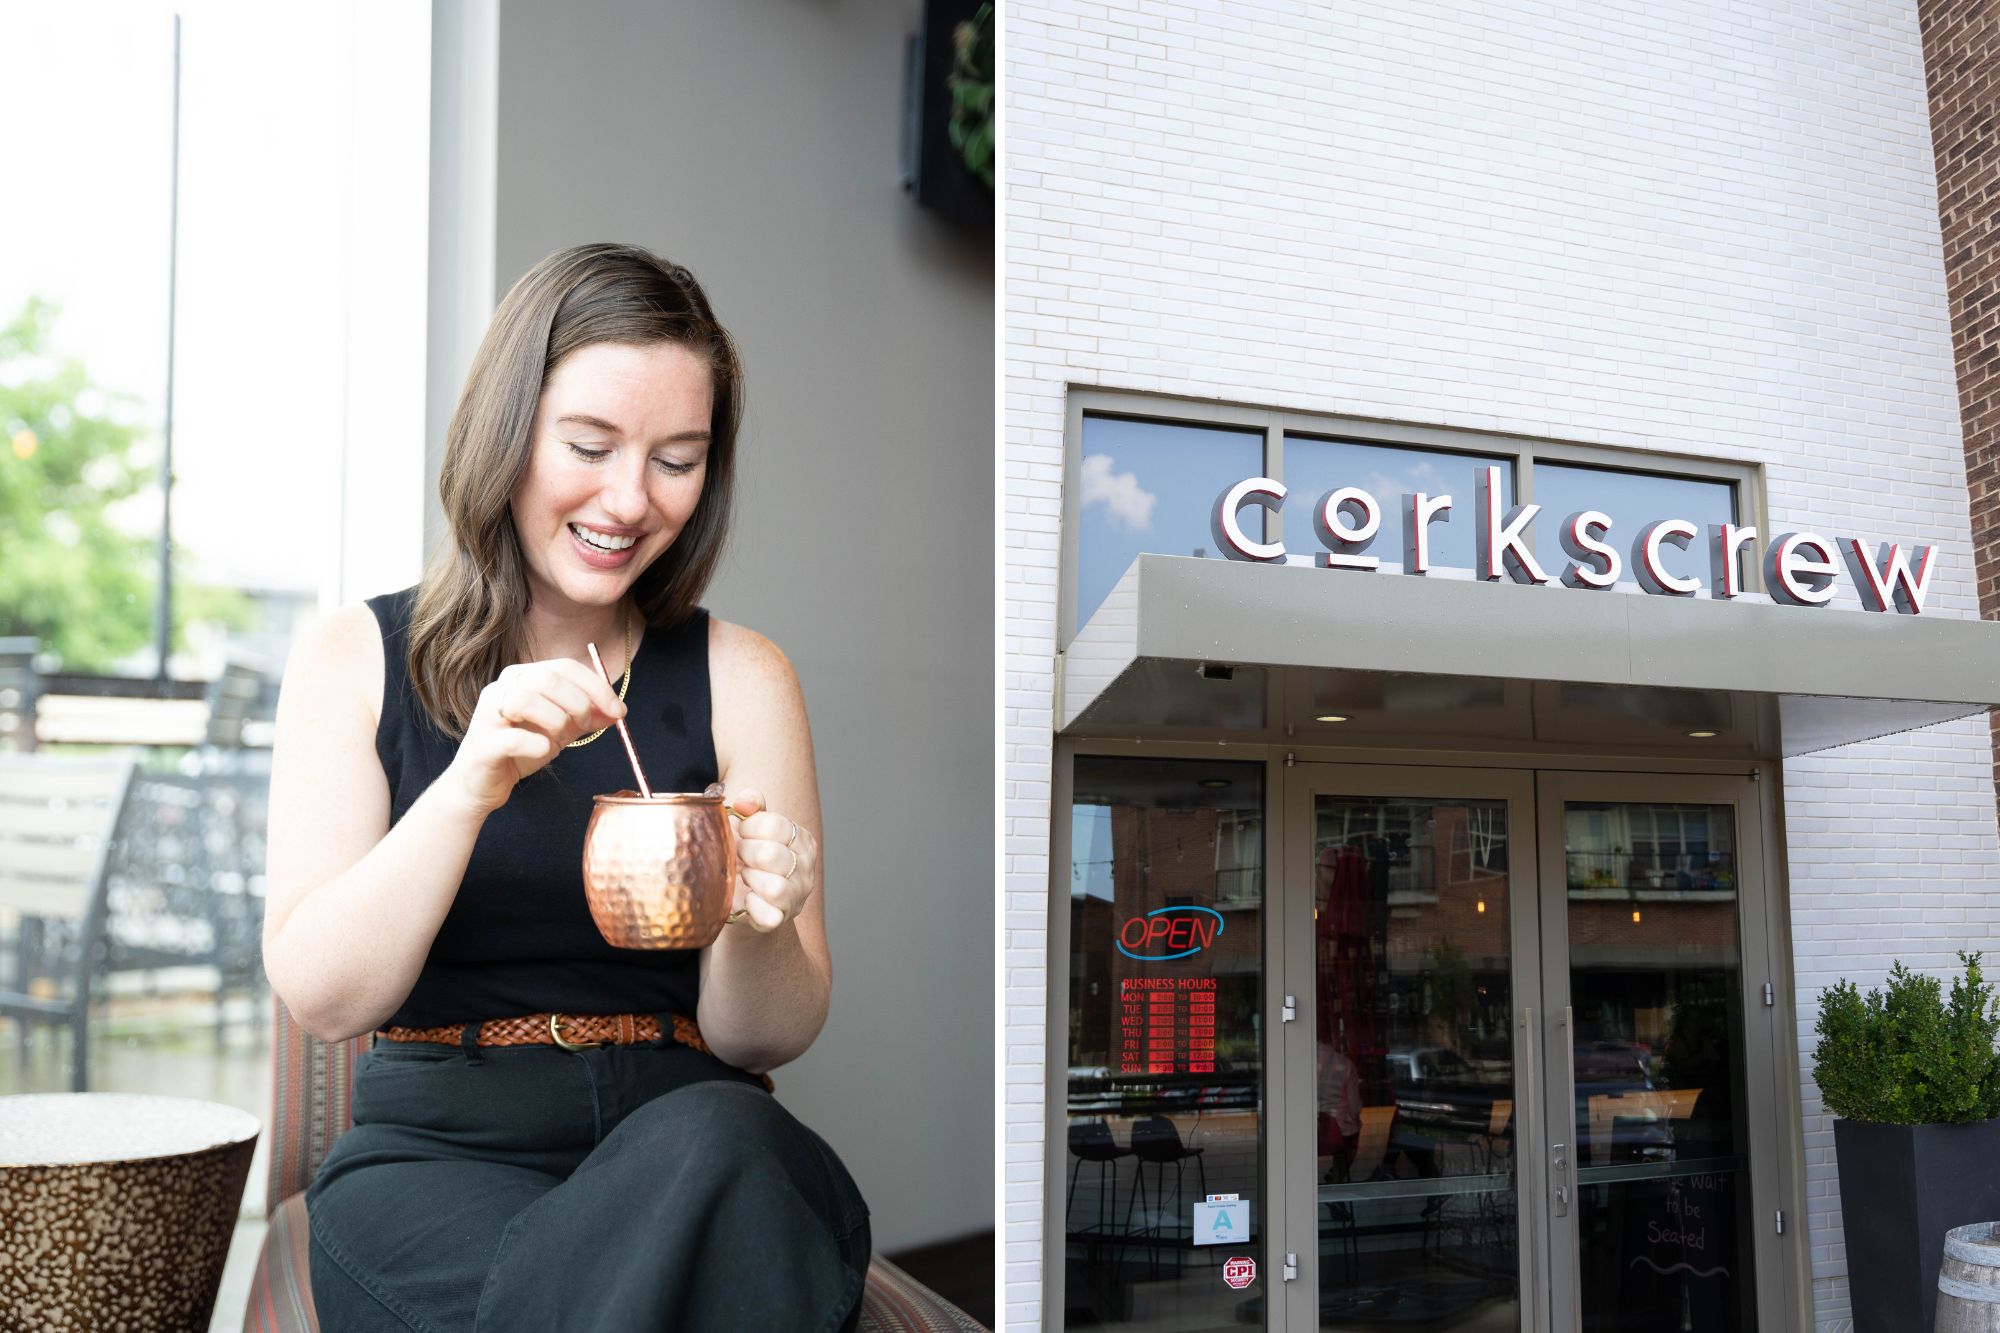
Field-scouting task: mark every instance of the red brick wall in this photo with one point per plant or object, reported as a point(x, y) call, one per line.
point(1962, 63)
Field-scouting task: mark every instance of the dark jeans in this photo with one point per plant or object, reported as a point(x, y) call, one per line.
point(623, 1188)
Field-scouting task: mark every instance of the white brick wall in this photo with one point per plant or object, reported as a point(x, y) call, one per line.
point(1698, 228)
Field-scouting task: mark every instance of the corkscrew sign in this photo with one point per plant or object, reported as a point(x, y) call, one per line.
point(1800, 568)
point(1185, 930)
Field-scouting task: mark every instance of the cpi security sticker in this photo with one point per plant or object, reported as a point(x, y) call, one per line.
point(1239, 1272)
point(1222, 1221)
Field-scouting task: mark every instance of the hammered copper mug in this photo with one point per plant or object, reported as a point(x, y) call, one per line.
point(659, 873)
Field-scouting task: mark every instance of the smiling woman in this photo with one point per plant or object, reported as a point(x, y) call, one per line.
point(575, 365)
point(535, 1097)
point(607, 495)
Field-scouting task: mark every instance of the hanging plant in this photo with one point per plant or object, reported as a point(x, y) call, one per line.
point(971, 84)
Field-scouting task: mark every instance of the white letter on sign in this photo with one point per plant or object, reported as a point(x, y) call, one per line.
point(1345, 544)
point(1892, 582)
point(1417, 536)
point(1728, 540)
point(1651, 570)
point(1228, 533)
point(1799, 569)
point(1583, 548)
point(1501, 550)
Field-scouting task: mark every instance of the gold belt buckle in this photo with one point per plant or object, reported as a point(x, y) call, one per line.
point(555, 1035)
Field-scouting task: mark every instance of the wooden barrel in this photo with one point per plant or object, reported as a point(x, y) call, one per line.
point(1969, 1280)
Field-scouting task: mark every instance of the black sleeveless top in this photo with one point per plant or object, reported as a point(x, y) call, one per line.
point(519, 938)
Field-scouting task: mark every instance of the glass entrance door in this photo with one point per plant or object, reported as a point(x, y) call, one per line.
point(1529, 1076)
point(1654, 958)
point(1410, 927)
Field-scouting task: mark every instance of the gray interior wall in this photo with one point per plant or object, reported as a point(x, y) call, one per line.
point(758, 144)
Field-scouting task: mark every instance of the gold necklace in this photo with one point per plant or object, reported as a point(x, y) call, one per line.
point(624, 683)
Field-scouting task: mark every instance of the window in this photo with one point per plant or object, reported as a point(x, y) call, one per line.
point(1315, 467)
point(297, 453)
point(1166, 1038)
point(1150, 485)
point(1631, 500)
point(1145, 486)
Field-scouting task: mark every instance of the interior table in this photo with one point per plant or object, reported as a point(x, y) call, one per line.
point(117, 1209)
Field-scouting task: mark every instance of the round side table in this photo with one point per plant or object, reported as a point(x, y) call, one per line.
point(118, 1209)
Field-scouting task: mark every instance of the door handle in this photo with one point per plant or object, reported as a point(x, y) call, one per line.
point(1527, 1129)
point(1528, 1042)
point(1559, 1167)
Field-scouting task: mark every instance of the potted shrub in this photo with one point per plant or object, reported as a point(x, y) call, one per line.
point(1915, 1081)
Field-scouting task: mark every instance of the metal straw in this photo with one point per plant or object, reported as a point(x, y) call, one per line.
point(623, 734)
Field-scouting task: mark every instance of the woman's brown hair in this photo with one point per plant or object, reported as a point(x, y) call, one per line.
point(471, 605)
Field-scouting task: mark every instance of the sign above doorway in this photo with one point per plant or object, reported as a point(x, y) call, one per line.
point(1800, 568)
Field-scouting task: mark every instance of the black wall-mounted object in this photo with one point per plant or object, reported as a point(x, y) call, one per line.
point(932, 168)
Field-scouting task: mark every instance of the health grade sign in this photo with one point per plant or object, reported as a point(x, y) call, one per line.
point(1800, 568)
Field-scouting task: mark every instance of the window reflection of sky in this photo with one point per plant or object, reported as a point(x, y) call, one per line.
point(1314, 467)
point(1090, 851)
point(1148, 487)
point(1630, 500)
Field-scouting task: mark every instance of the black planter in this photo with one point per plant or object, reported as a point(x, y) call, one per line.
point(1901, 1188)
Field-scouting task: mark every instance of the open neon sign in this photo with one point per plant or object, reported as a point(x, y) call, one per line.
point(1799, 567)
point(1186, 929)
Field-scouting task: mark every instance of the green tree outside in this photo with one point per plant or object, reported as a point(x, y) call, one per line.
point(68, 574)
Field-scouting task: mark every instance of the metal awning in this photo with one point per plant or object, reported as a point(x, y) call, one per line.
point(1195, 648)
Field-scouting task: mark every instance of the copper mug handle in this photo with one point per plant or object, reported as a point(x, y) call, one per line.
point(740, 912)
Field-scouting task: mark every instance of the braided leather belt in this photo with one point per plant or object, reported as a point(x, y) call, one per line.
point(572, 1032)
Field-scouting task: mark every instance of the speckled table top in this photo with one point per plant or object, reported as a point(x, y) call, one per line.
point(74, 1128)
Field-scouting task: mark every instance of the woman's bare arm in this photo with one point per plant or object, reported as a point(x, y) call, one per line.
point(351, 905)
point(764, 993)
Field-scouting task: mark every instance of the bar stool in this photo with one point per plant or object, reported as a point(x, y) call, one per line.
point(1091, 1141)
point(1156, 1140)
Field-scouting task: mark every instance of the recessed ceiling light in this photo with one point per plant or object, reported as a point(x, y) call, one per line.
point(1702, 735)
point(1215, 784)
point(1331, 717)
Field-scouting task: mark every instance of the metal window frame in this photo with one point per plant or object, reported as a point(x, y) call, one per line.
point(1752, 500)
point(1782, 1287)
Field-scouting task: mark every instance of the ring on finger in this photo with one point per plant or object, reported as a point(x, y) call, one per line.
point(795, 864)
point(795, 834)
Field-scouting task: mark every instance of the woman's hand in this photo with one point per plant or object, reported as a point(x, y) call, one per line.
point(523, 720)
point(778, 860)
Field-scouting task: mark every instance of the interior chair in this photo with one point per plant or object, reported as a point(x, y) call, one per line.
point(1653, 1106)
point(1371, 1147)
point(1375, 1125)
point(1156, 1140)
point(312, 1089)
point(1460, 1213)
point(1091, 1141)
point(1496, 1144)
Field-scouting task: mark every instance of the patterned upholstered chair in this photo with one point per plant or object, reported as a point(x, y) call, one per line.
point(310, 1109)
